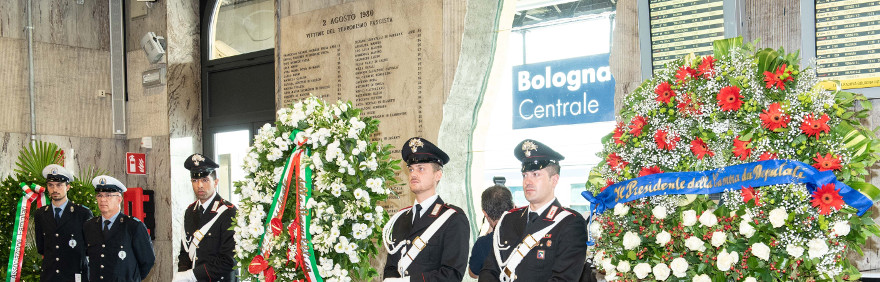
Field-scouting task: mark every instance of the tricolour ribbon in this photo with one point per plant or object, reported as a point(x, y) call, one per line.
point(31, 194)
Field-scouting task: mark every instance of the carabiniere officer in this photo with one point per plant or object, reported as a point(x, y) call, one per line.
point(118, 246)
point(59, 230)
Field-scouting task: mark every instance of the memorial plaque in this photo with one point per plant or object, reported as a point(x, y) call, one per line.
point(383, 55)
point(847, 43)
point(681, 27)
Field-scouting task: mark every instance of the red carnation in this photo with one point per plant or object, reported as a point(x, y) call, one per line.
point(749, 193)
point(826, 198)
point(729, 98)
point(707, 67)
point(615, 162)
point(698, 146)
point(768, 156)
point(618, 132)
point(663, 141)
point(779, 78)
point(650, 170)
point(740, 150)
point(812, 127)
point(773, 118)
point(638, 123)
point(827, 162)
point(684, 73)
point(664, 92)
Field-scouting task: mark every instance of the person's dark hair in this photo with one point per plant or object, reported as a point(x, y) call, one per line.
point(553, 168)
point(496, 200)
point(213, 174)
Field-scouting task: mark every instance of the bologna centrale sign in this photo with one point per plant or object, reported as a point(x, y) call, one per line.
point(569, 91)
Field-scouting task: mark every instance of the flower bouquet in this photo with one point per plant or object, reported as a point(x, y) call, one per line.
point(734, 166)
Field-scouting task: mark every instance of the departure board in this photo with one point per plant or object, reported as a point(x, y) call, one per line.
point(847, 43)
point(681, 27)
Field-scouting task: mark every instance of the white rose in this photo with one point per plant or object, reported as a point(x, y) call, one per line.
point(718, 238)
point(659, 212)
point(598, 257)
point(702, 278)
point(751, 279)
point(623, 267)
point(687, 199)
point(841, 228)
point(818, 248)
point(725, 260)
point(746, 229)
point(611, 275)
point(631, 240)
point(761, 251)
point(642, 270)
point(794, 250)
point(778, 217)
point(663, 237)
point(607, 265)
point(679, 267)
point(595, 229)
point(708, 219)
point(661, 271)
point(689, 218)
point(620, 209)
point(695, 244)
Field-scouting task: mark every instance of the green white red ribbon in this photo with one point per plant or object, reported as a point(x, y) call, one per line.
point(31, 194)
point(274, 225)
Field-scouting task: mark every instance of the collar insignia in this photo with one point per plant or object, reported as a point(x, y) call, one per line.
point(415, 144)
point(528, 147)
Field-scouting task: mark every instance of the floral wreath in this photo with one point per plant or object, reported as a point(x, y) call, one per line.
point(737, 107)
point(322, 155)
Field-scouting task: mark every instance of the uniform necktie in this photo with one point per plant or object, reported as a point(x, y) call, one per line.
point(106, 227)
point(532, 216)
point(418, 214)
point(57, 215)
point(201, 210)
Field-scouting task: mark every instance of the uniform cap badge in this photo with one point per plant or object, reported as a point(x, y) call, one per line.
point(528, 147)
point(197, 158)
point(415, 143)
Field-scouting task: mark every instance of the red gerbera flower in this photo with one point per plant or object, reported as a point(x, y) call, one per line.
point(650, 170)
point(608, 182)
point(740, 150)
point(707, 67)
point(779, 78)
point(827, 162)
point(638, 123)
point(618, 132)
point(729, 98)
point(698, 146)
point(663, 141)
point(773, 118)
point(768, 156)
point(684, 73)
point(615, 162)
point(826, 198)
point(749, 193)
point(664, 92)
point(812, 127)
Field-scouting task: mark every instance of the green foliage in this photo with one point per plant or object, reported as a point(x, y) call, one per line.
point(29, 168)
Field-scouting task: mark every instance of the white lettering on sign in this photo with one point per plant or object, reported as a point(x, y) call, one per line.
point(528, 109)
point(571, 80)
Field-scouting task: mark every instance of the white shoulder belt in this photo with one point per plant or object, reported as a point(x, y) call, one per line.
point(418, 243)
point(191, 246)
point(508, 267)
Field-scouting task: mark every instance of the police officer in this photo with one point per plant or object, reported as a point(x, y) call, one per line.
point(429, 241)
point(207, 251)
point(118, 246)
point(59, 230)
point(542, 241)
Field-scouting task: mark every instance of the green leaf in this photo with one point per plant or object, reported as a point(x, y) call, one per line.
point(722, 47)
point(768, 60)
point(871, 191)
point(37, 156)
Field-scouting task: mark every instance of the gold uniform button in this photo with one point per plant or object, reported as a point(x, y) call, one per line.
point(102, 277)
point(57, 259)
point(102, 255)
point(57, 271)
point(56, 234)
point(102, 245)
point(102, 266)
point(56, 246)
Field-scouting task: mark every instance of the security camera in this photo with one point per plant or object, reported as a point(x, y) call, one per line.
point(154, 47)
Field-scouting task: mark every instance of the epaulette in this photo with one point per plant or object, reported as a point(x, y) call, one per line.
point(228, 204)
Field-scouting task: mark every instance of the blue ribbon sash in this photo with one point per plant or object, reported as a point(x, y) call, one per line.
point(755, 174)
